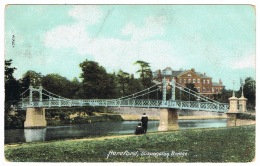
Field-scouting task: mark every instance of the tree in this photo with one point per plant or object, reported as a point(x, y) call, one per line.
point(145, 73)
point(31, 78)
point(59, 85)
point(96, 81)
point(249, 90)
point(123, 80)
point(12, 87)
point(190, 87)
point(223, 96)
point(182, 95)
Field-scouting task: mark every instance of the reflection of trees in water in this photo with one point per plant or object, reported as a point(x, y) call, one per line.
point(32, 135)
point(187, 124)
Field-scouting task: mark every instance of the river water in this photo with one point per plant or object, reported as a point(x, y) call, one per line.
point(97, 129)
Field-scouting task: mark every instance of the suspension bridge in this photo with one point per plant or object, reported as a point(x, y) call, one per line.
point(36, 99)
point(50, 100)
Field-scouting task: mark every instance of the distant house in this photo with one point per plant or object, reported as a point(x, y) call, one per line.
point(201, 81)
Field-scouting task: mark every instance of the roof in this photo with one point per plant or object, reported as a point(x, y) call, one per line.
point(167, 68)
point(202, 75)
point(216, 84)
point(176, 73)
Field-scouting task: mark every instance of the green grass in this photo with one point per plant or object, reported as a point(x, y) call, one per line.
point(235, 144)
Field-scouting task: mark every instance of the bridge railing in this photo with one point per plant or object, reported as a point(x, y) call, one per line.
point(192, 105)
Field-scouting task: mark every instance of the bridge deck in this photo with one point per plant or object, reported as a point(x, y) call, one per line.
point(189, 105)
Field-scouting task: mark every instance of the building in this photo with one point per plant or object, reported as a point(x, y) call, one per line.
point(201, 81)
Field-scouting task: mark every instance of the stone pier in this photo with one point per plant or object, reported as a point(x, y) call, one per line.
point(168, 119)
point(236, 107)
point(242, 104)
point(35, 118)
point(232, 112)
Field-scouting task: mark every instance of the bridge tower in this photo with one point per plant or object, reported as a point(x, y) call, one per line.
point(35, 116)
point(242, 101)
point(168, 116)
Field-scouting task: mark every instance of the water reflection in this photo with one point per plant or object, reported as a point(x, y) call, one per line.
point(33, 135)
point(97, 129)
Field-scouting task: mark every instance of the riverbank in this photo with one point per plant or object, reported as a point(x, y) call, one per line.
point(236, 144)
point(138, 117)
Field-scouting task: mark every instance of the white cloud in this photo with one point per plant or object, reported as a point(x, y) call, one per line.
point(88, 14)
point(115, 53)
point(244, 62)
point(71, 36)
point(153, 26)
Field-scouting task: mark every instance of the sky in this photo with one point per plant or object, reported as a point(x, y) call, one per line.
point(219, 40)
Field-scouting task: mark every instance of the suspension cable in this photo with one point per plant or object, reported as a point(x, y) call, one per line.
point(55, 95)
point(195, 95)
point(201, 96)
point(136, 92)
point(24, 91)
point(142, 94)
point(59, 97)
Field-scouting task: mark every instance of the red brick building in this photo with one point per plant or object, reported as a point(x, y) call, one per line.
point(201, 81)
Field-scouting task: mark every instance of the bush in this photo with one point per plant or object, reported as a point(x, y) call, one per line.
point(14, 121)
point(245, 116)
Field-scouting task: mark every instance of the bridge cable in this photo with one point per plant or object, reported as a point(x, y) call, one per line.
point(137, 92)
point(24, 91)
point(144, 94)
point(196, 95)
point(201, 96)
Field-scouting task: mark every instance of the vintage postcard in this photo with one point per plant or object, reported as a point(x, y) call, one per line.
point(130, 83)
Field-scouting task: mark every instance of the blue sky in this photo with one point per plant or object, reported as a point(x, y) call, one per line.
point(216, 39)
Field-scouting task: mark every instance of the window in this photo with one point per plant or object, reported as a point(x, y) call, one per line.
point(198, 89)
point(208, 81)
point(198, 80)
point(204, 89)
point(168, 72)
point(213, 90)
point(189, 80)
point(180, 80)
point(189, 75)
point(217, 90)
point(194, 80)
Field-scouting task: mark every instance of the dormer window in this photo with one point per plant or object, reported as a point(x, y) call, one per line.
point(189, 75)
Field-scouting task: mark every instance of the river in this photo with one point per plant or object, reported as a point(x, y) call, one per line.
point(97, 129)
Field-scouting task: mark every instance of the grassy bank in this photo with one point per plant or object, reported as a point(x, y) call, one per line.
point(201, 145)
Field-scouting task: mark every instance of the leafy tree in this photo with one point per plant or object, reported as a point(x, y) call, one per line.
point(223, 96)
point(31, 78)
point(134, 85)
point(96, 81)
point(145, 73)
point(123, 81)
point(59, 85)
point(181, 95)
point(249, 90)
point(12, 87)
point(192, 88)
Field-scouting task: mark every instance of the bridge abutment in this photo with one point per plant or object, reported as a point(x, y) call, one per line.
point(35, 118)
point(168, 119)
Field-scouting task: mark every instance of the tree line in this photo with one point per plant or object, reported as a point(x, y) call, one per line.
point(95, 82)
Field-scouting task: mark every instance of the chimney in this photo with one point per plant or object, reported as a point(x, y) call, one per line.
point(204, 74)
point(192, 69)
point(220, 82)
